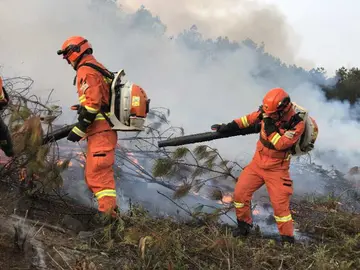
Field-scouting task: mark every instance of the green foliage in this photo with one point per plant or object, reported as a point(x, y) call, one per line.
point(201, 152)
point(180, 152)
point(198, 171)
point(162, 167)
point(347, 88)
point(194, 167)
point(210, 161)
point(39, 165)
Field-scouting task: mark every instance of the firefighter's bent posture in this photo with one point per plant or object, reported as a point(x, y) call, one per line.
point(280, 128)
point(93, 91)
point(5, 138)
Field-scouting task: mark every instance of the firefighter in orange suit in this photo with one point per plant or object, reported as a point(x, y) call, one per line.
point(280, 128)
point(93, 91)
point(5, 138)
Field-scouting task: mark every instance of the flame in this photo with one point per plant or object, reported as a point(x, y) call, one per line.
point(60, 162)
point(133, 159)
point(22, 175)
point(227, 199)
point(256, 212)
point(81, 156)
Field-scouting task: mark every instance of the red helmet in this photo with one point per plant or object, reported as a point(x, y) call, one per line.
point(276, 100)
point(74, 47)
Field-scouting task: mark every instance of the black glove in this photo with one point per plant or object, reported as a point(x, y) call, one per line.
point(85, 118)
point(77, 133)
point(224, 128)
point(269, 126)
point(3, 104)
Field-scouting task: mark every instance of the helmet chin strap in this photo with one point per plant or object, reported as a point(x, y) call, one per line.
point(76, 63)
point(281, 113)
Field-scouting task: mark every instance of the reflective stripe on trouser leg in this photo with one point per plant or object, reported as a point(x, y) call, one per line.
point(106, 200)
point(285, 225)
point(238, 205)
point(105, 192)
point(283, 219)
point(241, 210)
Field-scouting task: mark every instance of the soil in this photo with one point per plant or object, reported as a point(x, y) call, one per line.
point(49, 235)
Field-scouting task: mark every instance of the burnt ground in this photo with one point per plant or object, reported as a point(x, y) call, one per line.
point(38, 233)
point(61, 234)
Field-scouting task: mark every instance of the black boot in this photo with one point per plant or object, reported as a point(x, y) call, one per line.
point(287, 239)
point(243, 229)
point(107, 218)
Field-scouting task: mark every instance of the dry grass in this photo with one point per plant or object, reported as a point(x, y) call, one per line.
point(140, 242)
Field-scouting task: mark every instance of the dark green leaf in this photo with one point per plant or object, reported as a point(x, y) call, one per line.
point(180, 152)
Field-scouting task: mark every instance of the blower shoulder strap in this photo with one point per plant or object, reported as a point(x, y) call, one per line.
point(107, 74)
point(103, 71)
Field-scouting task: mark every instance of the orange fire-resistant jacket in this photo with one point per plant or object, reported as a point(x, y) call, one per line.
point(273, 151)
point(93, 91)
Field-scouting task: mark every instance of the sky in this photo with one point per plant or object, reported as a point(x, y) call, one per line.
point(329, 30)
point(322, 32)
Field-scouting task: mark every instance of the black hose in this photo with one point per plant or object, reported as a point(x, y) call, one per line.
point(207, 136)
point(58, 134)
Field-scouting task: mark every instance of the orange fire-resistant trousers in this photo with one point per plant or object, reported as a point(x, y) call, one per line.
point(99, 172)
point(279, 187)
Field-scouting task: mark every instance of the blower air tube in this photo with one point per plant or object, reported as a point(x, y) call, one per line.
point(207, 136)
point(188, 139)
point(57, 134)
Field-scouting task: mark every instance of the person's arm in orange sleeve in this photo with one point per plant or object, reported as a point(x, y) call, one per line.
point(287, 140)
point(4, 98)
point(249, 124)
point(90, 103)
point(249, 119)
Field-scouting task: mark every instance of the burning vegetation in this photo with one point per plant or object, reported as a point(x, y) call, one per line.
point(44, 228)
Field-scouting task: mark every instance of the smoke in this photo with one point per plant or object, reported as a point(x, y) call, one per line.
point(175, 72)
point(238, 20)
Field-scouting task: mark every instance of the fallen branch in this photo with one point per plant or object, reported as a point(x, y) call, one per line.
point(56, 263)
point(37, 223)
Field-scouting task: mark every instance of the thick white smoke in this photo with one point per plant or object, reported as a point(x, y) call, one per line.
point(236, 19)
point(198, 93)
